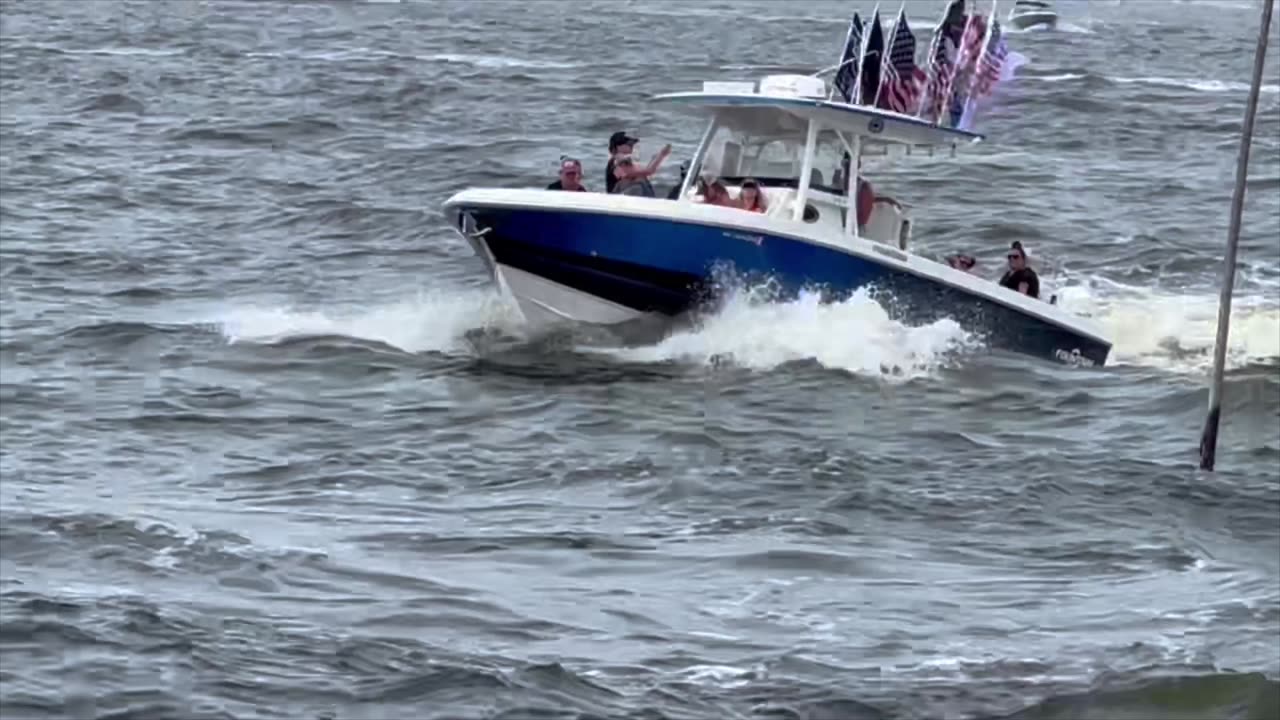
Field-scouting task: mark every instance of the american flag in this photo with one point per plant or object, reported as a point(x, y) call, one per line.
point(903, 79)
point(971, 45)
point(847, 74)
point(940, 59)
point(965, 67)
point(939, 79)
point(992, 62)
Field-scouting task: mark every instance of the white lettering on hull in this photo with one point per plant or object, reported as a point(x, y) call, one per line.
point(1073, 358)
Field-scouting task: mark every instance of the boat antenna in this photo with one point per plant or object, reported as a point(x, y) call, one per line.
point(1209, 436)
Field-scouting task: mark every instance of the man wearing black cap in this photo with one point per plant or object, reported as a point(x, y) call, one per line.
point(621, 144)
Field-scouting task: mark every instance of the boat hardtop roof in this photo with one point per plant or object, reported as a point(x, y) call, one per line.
point(781, 104)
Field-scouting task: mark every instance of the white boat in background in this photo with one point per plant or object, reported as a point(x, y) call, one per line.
point(1027, 14)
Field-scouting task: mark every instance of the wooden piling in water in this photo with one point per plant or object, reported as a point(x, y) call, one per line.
point(1209, 436)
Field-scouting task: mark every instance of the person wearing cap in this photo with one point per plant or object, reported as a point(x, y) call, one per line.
point(570, 176)
point(621, 145)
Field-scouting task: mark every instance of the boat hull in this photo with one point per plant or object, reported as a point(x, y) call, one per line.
point(1027, 20)
point(603, 267)
point(545, 302)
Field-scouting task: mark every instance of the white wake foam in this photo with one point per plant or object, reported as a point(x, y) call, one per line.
point(1176, 332)
point(1070, 27)
point(435, 321)
point(1161, 329)
point(1198, 84)
point(1062, 26)
point(1058, 78)
point(501, 61)
point(855, 335)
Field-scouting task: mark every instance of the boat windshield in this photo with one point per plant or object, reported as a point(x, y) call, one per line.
point(774, 159)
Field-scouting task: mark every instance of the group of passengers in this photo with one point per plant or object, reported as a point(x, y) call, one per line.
point(625, 176)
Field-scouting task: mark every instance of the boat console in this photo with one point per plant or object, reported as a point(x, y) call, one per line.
point(799, 147)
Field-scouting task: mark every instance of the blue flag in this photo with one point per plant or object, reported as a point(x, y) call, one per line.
point(847, 74)
point(871, 61)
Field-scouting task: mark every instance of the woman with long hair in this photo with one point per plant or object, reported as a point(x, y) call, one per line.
point(750, 197)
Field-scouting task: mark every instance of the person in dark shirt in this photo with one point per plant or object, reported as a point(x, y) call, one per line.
point(1020, 278)
point(621, 144)
point(631, 182)
point(674, 192)
point(570, 176)
point(865, 197)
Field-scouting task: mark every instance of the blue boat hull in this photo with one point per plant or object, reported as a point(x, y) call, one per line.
point(672, 267)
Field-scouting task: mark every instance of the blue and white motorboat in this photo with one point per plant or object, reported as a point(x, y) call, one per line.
point(1027, 14)
point(608, 259)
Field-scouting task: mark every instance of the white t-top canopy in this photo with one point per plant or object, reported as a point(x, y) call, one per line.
point(786, 104)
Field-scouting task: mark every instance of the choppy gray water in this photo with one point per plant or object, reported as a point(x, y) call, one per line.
point(271, 447)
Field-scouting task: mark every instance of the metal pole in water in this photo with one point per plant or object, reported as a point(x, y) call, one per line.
point(1209, 437)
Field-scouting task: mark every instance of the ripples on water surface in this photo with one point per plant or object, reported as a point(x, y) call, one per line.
point(272, 447)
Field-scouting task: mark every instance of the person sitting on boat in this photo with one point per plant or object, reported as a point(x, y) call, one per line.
point(631, 181)
point(674, 192)
point(750, 198)
point(1020, 277)
point(717, 194)
point(623, 145)
point(570, 176)
point(866, 202)
point(865, 199)
point(620, 144)
point(962, 262)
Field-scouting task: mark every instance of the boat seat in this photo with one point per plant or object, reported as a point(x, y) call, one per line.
point(782, 203)
point(888, 224)
point(778, 201)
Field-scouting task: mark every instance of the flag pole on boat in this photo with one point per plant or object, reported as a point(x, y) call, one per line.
point(847, 56)
point(885, 59)
point(1209, 436)
point(930, 58)
point(862, 57)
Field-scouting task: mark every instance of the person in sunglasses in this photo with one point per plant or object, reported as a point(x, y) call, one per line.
point(1020, 277)
point(570, 176)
